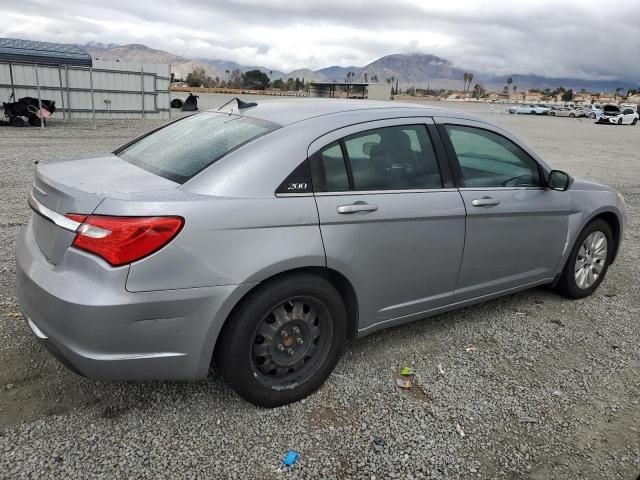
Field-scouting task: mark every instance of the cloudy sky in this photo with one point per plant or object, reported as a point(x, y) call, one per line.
point(588, 39)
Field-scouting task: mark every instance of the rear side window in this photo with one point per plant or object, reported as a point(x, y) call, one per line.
point(184, 148)
point(391, 158)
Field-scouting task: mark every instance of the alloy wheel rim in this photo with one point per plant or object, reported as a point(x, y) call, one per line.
point(590, 260)
point(290, 342)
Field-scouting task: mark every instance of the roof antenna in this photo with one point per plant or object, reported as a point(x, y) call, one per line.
point(241, 104)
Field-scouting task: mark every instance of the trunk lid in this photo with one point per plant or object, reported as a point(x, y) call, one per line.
point(79, 186)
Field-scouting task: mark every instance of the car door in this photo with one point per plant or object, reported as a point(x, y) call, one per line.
point(628, 115)
point(390, 218)
point(516, 229)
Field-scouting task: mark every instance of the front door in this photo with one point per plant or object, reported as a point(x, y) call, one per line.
point(516, 229)
point(387, 222)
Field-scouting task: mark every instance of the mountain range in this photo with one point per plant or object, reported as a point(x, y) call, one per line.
point(419, 70)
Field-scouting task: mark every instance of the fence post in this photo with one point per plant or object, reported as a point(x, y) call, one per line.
point(64, 115)
point(93, 105)
point(142, 89)
point(66, 81)
point(169, 91)
point(39, 98)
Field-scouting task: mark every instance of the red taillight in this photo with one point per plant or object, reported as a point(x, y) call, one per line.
point(122, 240)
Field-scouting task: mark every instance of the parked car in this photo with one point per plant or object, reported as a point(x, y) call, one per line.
point(529, 109)
point(593, 111)
point(177, 101)
point(612, 114)
point(262, 236)
point(566, 112)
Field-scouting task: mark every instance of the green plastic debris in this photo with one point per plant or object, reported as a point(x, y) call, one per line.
point(406, 371)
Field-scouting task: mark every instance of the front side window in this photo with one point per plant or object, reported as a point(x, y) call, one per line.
point(491, 160)
point(184, 148)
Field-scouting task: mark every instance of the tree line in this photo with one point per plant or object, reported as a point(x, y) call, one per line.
point(236, 78)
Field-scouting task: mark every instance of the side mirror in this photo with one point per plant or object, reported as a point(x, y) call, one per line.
point(559, 180)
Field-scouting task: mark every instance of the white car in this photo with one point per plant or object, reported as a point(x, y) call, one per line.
point(612, 114)
point(529, 109)
point(177, 101)
point(593, 111)
point(566, 112)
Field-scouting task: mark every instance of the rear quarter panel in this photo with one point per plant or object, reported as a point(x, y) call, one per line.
point(226, 241)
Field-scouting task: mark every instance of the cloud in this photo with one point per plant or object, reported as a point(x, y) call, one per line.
point(586, 39)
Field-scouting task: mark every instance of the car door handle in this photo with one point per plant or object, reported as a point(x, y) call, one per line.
point(485, 202)
point(357, 207)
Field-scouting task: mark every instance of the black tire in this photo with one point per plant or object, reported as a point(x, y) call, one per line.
point(16, 122)
point(572, 115)
point(35, 121)
point(567, 284)
point(619, 121)
point(251, 354)
point(635, 120)
point(176, 103)
point(592, 115)
point(552, 114)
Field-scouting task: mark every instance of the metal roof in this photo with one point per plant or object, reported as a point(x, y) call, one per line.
point(45, 53)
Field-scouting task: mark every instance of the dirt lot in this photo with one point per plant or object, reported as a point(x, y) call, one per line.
point(551, 389)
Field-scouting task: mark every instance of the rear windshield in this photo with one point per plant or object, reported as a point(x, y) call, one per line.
point(182, 149)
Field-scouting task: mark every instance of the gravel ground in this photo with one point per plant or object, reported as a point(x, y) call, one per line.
point(551, 389)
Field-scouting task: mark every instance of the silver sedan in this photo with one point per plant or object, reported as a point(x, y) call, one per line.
point(261, 236)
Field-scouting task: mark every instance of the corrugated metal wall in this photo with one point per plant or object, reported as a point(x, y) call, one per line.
point(117, 89)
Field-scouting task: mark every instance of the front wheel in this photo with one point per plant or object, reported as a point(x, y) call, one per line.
point(635, 120)
point(572, 115)
point(619, 121)
point(588, 261)
point(283, 341)
point(552, 114)
point(592, 115)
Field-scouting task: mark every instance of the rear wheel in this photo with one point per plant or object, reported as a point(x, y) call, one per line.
point(176, 103)
point(635, 120)
point(552, 114)
point(588, 261)
point(572, 115)
point(283, 341)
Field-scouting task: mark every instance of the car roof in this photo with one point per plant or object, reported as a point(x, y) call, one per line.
point(287, 112)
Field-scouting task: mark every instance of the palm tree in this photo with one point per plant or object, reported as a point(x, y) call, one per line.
point(365, 77)
point(466, 79)
point(470, 79)
point(509, 81)
point(515, 88)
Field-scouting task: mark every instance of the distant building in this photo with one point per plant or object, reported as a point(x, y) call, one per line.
point(582, 97)
point(533, 97)
point(371, 91)
point(633, 98)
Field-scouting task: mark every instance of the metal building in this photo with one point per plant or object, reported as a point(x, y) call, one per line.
point(371, 91)
point(80, 86)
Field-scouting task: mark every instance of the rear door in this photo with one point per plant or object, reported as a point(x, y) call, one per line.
point(516, 229)
point(390, 218)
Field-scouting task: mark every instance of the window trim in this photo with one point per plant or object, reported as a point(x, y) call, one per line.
point(446, 180)
point(454, 162)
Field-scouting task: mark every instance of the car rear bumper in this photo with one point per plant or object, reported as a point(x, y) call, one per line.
point(98, 329)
